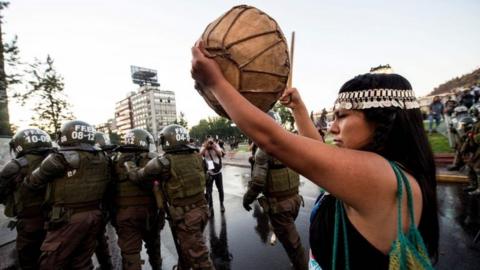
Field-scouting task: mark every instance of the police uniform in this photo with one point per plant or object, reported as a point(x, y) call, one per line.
point(281, 201)
point(24, 204)
point(137, 217)
point(181, 175)
point(76, 177)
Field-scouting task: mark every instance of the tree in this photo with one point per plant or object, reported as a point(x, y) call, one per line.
point(45, 91)
point(181, 120)
point(286, 116)
point(216, 126)
point(4, 117)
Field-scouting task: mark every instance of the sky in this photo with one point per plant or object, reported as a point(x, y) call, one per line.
point(94, 43)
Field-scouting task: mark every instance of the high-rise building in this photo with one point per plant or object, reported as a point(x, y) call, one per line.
point(153, 109)
point(150, 108)
point(123, 115)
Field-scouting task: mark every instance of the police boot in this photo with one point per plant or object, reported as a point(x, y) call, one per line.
point(454, 167)
point(473, 181)
point(476, 192)
point(299, 259)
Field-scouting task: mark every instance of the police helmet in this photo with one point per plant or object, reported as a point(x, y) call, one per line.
point(460, 109)
point(139, 138)
point(30, 139)
point(76, 132)
point(102, 140)
point(474, 110)
point(465, 124)
point(174, 137)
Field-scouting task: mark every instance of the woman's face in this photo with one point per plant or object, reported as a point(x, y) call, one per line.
point(351, 130)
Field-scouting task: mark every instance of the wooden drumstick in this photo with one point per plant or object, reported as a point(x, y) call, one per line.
point(292, 49)
point(290, 78)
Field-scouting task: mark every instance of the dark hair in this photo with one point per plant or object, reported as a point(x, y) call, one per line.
point(400, 136)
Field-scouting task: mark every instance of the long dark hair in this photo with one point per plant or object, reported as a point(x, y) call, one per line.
point(400, 136)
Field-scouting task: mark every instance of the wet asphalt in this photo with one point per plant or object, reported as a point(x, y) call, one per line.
point(238, 239)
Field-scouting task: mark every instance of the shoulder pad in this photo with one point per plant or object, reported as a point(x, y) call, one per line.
point(164, 161)
point(152, 155)
point(10, 169)
point(22, 162)
point(72, 158)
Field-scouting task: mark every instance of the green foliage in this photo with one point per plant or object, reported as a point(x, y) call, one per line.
point(286, 116)
point(13, 64)
point(216, 126)
point(181, 121)
point(45, 94)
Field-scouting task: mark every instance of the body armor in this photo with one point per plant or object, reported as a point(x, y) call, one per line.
point(23, 197)
point(83, 183)
point(129, 193)
point(187, 179)
point(281, 181)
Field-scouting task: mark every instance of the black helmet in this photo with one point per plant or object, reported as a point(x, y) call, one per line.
point(465, 124)
point(474, 110)
point(139, 138)
point(30, 139)
point(174, 137)
point(76, 132)
point(102, 140)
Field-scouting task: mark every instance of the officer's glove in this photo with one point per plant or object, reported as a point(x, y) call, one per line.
point(132, 170)
point(248, 199)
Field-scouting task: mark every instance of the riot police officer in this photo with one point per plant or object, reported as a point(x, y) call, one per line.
point(31, 146)
point(76, 177)
point(137, 217)
point(281, 201)
point(182, 179)
point(102, 250)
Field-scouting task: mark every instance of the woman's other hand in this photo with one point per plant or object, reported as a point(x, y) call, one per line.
point(205, 71)
point(291, 98)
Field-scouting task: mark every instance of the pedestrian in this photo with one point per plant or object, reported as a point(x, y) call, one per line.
point(76, 177)
point(281, 201)
point(137, 217)
point(381, 146)
point(182, 180)
point(30, 146)
point(436, 113)
point(212, 155)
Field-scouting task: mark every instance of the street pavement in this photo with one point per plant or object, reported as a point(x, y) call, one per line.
point(239, 239)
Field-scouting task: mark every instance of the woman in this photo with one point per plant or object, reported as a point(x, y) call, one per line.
point(357, 171)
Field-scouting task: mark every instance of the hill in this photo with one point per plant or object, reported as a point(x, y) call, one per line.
point(466, 81)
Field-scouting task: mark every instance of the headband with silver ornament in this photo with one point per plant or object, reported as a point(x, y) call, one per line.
point(376, 98)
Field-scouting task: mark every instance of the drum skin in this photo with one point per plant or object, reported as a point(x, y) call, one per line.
point(252, 53)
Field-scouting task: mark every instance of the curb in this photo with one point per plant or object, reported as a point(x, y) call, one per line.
point(236, 164)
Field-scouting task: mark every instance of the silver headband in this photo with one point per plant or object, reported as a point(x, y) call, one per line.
point(376, 98)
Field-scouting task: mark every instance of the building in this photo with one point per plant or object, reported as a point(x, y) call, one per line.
point(123, 115)
point(149, 108)
point(107, 127)
point(153, 109)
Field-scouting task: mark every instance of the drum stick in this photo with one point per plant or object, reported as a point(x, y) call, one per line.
point(292, 49)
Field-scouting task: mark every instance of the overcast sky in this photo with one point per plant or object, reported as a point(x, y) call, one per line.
point(94, 42)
